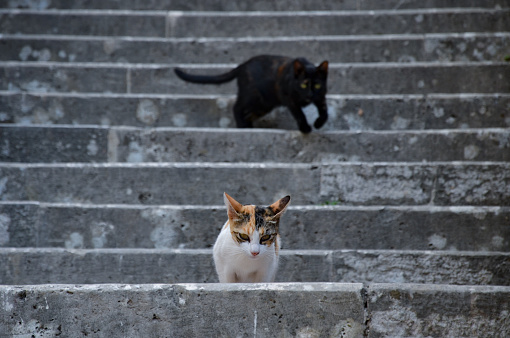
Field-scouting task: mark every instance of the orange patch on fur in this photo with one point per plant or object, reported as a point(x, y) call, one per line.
point(243, 225)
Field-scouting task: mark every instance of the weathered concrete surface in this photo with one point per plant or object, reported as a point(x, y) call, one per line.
point(325, 309)
point(355, 183)
point(303, 227)
point(49, 266)
point(165, 183)
point(110, 109)
point(184, 310)
point(400, 310)
point(263, 5)
point(44, 145)
point(494, 185)
point(405, 48)
point(430, 267)
point(63, 144)
point(443, 184)
point(83, 23)
point(227, 24)
point(19, 225)
point(357, 78)
point(48, 78)
point(361, 112)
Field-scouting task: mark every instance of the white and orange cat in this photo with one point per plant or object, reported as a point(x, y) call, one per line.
point(247, 247)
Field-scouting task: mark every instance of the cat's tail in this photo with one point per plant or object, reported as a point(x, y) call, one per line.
point(212, 79)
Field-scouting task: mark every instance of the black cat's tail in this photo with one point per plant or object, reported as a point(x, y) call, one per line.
point(212, 79)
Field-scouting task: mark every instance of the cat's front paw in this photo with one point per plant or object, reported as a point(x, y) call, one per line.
point(305, 128)
point(320, 122)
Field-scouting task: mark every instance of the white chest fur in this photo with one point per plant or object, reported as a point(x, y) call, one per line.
point(236, 263)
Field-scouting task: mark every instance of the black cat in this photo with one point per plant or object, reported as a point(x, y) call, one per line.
point(266, 81)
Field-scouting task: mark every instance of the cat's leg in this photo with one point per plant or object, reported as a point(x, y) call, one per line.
point(269, 274)
point(322, 107)
point(224, 271)
point(269, 277)
point(241, 114)
point(300, 118)
point(227, 276)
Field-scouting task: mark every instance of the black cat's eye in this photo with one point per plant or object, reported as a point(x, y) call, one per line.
point(317, 86)
point(243, 237)
point(304, 85)
point(265, 238)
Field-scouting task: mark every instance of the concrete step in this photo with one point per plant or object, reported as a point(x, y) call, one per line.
point(241, 24)
point(352, 48)
point(54, 266)
point(267, 310)
point(355, 78)
point(67, 144)
point(78, 226)
point(354, 112)
point(190, 310)
point(409, 311)
point(357, 183)
point(263, 5)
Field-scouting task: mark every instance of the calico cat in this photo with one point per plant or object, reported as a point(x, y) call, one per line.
point(267, 81)
point(247, 248)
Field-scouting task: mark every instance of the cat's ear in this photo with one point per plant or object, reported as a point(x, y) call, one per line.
point(280, 206)
point(233, 207)
point(323, 67)
point(299, 68)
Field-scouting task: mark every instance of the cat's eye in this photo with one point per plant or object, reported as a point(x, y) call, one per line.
point(317, 86)
point(304, 84)
point(243, 237)
point(265, 238)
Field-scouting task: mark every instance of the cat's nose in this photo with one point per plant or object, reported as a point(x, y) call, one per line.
point(254, 249)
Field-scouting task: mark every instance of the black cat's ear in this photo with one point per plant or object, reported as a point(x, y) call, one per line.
point(233, 207)
point(299, 68)
point(280, 206)
point(323, 67)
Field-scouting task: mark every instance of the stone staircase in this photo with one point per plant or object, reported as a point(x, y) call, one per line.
point(112, 169)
